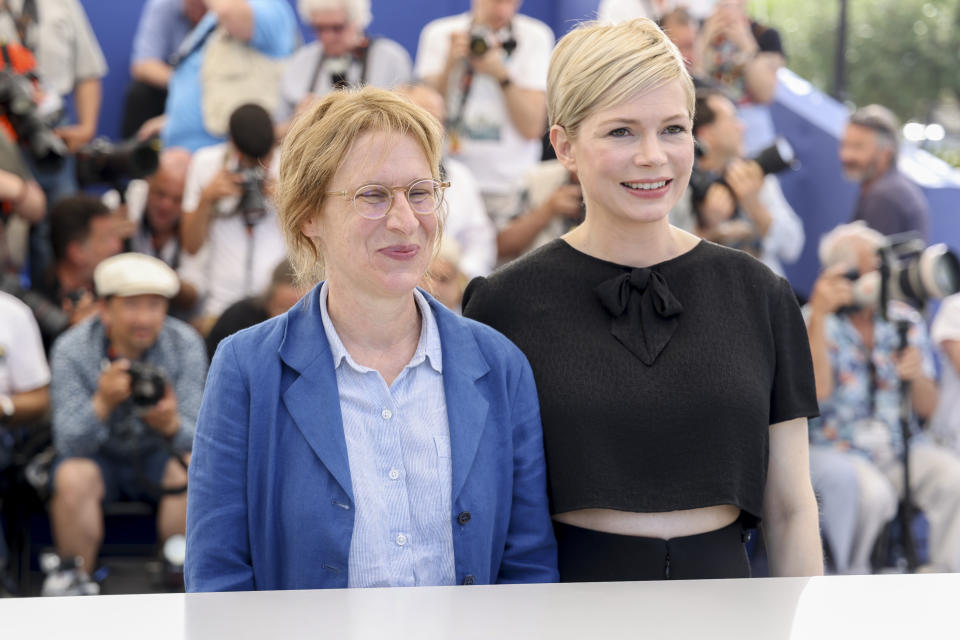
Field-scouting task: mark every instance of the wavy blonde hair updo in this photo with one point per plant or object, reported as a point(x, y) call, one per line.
point(315, 146)
point(598, 65)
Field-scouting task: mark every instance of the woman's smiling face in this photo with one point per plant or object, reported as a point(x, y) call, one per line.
point(634, 158)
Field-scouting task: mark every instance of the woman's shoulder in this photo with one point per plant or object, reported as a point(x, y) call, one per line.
point(530, 272)
point(735, 268)
point(458, 332)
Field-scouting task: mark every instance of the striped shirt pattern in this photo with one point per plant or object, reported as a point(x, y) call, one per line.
point(398, 445)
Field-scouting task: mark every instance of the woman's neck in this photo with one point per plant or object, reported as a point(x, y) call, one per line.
point(631, 243)
point(380, 333)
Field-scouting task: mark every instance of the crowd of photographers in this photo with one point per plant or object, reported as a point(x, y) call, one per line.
point(118, 292)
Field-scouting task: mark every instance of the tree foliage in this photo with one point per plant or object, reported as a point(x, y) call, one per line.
point(904, 54)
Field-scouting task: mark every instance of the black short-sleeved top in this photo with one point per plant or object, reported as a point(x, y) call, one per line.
point(679, 419)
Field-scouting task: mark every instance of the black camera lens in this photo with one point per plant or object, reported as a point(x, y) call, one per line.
point(478, 45)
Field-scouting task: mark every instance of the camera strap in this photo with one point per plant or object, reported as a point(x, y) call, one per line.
point(360, 54)
point(23, 22)
point(455, 122)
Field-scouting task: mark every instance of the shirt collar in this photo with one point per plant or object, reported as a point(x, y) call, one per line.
point(428, 346)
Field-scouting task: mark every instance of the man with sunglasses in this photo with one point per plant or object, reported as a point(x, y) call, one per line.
point(342, 55)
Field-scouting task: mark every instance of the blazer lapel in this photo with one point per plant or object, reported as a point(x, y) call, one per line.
point(313, 400)
point(467, 405)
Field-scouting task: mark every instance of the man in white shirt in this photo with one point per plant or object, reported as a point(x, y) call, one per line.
point(342, 55)
point(491, 66)
point(229, 234)
point(24, 374)
point(466, 221)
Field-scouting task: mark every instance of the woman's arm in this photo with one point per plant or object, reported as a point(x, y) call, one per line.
point(790, 518)
point(218, 546)
point(530, 550)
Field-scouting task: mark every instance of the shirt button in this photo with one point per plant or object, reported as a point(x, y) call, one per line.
point(469, 580)
point(401, 539)
point(464, 517)
point(394, 474)
point(387, 414)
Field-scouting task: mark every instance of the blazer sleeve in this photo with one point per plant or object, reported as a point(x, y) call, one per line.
point(218, 554)
point(530, 553)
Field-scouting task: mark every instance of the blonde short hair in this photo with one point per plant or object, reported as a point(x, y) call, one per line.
point(836, 246)
point(315, 146)
point(598, 65)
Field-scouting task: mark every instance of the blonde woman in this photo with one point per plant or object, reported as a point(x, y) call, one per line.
point(674, 374)
point(368, 437)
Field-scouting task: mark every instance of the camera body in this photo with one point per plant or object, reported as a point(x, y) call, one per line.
point(33, 131)
point(148, 384)
point(482, 39)
point(776, 158)
point(253, 203)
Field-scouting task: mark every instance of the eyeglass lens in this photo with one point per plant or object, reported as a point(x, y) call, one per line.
point(374, 201)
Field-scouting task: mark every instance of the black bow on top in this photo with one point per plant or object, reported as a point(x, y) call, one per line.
point(644, 311)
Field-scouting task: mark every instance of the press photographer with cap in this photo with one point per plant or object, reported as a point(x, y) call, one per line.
point(229, 235)
point(126, 388)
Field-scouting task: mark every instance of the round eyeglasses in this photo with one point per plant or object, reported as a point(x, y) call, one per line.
point(373, 201)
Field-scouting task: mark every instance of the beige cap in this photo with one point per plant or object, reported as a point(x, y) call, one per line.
point(134, 274)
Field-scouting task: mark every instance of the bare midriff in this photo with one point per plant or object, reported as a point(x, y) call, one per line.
point(665, 525)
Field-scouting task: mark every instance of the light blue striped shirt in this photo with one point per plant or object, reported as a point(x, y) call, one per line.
point(398, 445)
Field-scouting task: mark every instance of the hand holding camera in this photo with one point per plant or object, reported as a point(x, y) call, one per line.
point(163, 416)
point(833, 290)
point(112, 388)
point(226, 184)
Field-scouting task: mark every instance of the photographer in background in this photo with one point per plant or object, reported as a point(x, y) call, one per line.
point(744, 209)
point(859, 366)
point(491, 66)
point(154, 208)
point(229, 234)
point(889, 202)
point(69, 66)
point(83, 234)
point(126, 389)
point(343, 55)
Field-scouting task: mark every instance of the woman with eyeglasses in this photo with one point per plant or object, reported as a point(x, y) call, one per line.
point(674, 374)
point(368, 437)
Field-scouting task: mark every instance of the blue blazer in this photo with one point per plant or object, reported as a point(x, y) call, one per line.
point(270, 502)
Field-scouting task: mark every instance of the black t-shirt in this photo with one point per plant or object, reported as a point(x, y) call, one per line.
point(688, 430)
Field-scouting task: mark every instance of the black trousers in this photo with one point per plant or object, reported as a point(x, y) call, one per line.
point(593, 556)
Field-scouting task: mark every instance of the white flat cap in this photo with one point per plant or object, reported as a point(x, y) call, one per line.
point(134, 274)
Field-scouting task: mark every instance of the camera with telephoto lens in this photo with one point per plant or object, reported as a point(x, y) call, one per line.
point(147, 384)
point(909, 272)
point(776, 158)
point(33, 131)
point(105, 162)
